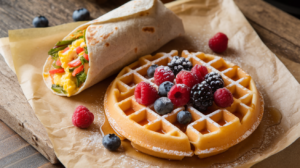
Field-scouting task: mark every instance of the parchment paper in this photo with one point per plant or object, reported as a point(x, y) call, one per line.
point(202, 19)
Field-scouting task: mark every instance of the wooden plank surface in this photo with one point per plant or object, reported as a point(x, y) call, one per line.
point(278, 30)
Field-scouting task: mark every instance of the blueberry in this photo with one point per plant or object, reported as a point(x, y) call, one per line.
point(81, 14)
point(151, 70)
point(111, 142)
point(163, 105)
point(184, 117)
point(164, 88)
point(40, 21)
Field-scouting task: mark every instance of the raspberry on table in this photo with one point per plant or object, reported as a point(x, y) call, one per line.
point(187, 77)
point(179, 94)
point(82, 117)
point(179, 63)
point(162, 74)
point(202, 96)
point(200, 71)
point(223, 98)
point(145, 93)
point(215, 81)
point(218, 43)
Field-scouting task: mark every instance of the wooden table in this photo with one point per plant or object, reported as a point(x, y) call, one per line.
point(277, 29)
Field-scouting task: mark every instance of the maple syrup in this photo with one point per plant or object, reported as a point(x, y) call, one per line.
point(129, 111)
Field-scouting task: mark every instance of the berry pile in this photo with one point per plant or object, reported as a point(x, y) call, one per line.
point(180, 83)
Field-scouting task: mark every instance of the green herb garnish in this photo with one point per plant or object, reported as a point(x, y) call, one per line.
point(84, 36)
point(58, 89)
point(71, 69)
point(56, 66)
point(54, 51)
point(64, 42)
point(83, 60)
point(86, 50)
point(80, 78)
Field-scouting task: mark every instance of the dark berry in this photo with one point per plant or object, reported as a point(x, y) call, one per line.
point(151, 70)
point(164, 88)
point(184, 117)
point(202, 96)
point(145, 93)
point(81, 14)
point(179, 63)
point(111, 142)
point(40, 21)
point(214, 80)
point(163, 106)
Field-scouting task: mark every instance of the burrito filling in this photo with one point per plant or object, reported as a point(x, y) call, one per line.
point(70, 64)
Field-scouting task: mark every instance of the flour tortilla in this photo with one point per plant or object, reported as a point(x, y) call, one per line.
point(122, 36)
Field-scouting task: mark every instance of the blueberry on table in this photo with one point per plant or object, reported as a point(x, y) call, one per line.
point(111, 142)
point(40, 21)
point(81, 14)
point(151, 70)
point(163, 106)
point(164, 88)
point(184, 117)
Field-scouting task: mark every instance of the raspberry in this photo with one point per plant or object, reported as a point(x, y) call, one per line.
point(202, 96)
point(223, 98)
point(145, 93)
point(82, 117)
point(200, 71)
point(187, 77)
point(179, 94)
point(218, 43)
point(162, 74)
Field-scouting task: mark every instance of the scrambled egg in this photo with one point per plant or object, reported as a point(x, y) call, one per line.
point(66, 79)
point(69, 83)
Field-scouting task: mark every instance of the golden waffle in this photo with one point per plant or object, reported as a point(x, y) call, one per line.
point(210, 132)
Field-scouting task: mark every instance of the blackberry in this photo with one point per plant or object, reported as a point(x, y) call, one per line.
point(202, 96)
point(179, 63)
point(215, 81)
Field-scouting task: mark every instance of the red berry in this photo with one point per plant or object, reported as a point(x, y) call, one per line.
point(162, 74)
point(187, 77)
point(179, 94)
point(82, 117)
point(145, 93)
point(200, 71)
point(223, 98)
point(218, 43)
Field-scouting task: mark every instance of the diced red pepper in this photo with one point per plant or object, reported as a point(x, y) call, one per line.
point(79, 50)
point(86, 56)
point(66, 49)
point(74, 63)
point(58, 63)
point(54, 71)
point(77, 70)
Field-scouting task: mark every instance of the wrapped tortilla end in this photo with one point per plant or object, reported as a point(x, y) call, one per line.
point(100, 48)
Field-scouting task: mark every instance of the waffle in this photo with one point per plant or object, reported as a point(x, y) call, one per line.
point(210, 132)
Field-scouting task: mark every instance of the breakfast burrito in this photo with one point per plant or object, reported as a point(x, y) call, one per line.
point(100, 48)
